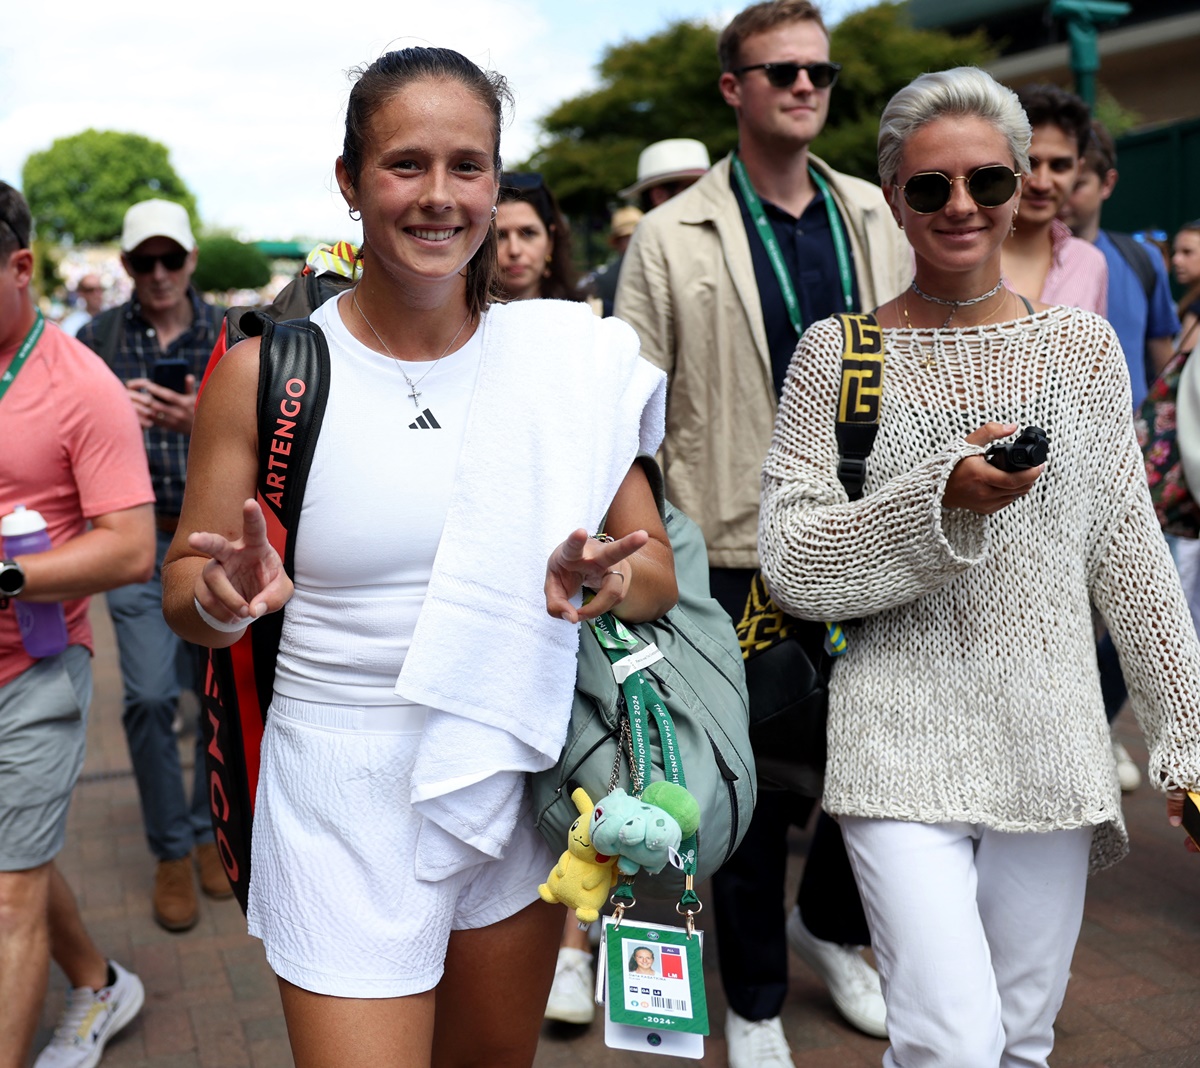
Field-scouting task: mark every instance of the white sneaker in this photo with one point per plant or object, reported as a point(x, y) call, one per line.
point(853, 983)
point(756, 1043)
point(1128, 774)
point(573, 995)
point(90, 1019)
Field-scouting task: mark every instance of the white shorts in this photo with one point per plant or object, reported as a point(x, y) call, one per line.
point(333, 894)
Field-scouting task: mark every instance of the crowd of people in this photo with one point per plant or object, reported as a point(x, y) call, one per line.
point(972, 785)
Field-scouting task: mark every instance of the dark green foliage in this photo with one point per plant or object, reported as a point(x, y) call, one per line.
point(666, 86)
point(226, 263)
point(881, 53)
point(663, 86)
point(80, 187)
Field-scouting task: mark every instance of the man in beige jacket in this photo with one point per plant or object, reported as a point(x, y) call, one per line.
point(719, 300)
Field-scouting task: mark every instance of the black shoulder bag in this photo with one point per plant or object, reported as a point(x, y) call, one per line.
point(293, 386)
point(789, 661)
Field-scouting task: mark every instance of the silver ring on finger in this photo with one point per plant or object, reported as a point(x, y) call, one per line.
point(619, 574)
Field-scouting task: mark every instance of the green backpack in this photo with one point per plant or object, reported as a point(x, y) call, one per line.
point(701, 681)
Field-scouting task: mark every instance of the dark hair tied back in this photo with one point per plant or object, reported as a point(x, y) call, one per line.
point(391, 73)
point(16, 224)
point(558, 278)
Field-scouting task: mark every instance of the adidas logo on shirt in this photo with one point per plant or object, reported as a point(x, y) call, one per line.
point(425, 421)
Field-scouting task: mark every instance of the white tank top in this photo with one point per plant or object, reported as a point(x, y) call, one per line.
point(373, 512)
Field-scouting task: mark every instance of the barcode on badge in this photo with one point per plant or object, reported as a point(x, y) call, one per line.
point(674, 1004)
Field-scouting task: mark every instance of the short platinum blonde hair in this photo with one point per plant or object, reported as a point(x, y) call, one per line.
point(962, 91)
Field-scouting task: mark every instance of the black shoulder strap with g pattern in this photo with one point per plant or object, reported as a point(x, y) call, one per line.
point(860, 399)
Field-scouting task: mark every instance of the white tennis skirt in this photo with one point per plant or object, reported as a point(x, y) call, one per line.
point(333, 894)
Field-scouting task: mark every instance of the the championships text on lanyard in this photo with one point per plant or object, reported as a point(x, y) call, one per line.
point(763, 225)
point(27, 346)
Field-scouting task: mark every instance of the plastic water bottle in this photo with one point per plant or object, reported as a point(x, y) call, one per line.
point(43, 626)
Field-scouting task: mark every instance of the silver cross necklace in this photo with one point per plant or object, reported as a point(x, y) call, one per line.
point(415, 393)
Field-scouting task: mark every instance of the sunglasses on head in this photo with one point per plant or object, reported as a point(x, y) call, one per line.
point(783, 75)
point(22, 242)
point(144, 264)
point(521, 181)
point(989, 187)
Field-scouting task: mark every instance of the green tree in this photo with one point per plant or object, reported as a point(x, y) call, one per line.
point(666, 86)
point(880, 53)
point(1116, 118)
point(227, 263)
point(80, 187)
point(663, 86)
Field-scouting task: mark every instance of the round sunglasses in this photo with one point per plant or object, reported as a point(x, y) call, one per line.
point(989, 186)
point(783, 75)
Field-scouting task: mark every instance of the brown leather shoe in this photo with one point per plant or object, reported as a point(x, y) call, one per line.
point(175, 905)
point(213, 880)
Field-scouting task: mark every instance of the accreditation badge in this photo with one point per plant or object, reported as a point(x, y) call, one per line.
point(651, 982)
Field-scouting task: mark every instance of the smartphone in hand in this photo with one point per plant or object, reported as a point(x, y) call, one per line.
point(171, 374)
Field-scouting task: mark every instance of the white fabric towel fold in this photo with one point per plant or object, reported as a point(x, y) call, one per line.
point(563, 406)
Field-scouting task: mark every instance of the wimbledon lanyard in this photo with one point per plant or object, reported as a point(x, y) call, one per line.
point(641, 701)
point(31, 339)
point(767, 235)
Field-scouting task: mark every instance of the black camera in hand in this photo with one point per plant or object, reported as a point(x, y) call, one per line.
point(1030, 449)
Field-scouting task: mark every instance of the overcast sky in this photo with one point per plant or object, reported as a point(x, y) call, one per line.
point(249, 97)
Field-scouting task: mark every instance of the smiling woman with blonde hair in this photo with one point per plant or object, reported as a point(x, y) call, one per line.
point(969, 758)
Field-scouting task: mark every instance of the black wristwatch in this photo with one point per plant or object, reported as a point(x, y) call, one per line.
point(12, 580)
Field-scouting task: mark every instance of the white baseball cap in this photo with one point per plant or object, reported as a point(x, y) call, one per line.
point(668, 161)
point(157, 218)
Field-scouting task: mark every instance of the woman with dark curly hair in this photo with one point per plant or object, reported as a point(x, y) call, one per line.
point(535, 240)
point(1185, 261)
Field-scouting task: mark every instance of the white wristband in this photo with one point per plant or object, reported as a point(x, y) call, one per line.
point(216, 624)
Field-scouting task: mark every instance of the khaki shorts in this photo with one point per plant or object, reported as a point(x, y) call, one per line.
point(43, 730)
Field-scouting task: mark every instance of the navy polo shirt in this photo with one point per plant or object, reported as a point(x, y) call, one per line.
point(808, 251)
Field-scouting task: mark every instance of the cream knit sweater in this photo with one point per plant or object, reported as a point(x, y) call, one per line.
point(970, 690)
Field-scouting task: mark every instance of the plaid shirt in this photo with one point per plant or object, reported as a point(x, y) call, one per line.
point(136, 354)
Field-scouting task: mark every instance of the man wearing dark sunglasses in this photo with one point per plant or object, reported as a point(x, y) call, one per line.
point(719, 282)
point(1041, 259)
point(158, 343)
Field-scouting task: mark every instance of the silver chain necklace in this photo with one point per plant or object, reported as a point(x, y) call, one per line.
point(953, 305)
point(411, 384)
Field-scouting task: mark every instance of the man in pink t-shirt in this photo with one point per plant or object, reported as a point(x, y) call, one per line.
point(75, 455)
point(1041, 259)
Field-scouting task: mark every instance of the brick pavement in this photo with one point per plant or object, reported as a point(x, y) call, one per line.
point(1133, 1002)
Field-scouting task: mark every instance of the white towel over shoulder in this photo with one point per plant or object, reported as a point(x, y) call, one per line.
point(563, 406)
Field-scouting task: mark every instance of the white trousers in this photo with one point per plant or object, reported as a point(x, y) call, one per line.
point(973, 930)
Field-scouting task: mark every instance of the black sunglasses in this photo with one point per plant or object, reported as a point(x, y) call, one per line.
point(989, 187)
point(783, 75)
point(143, 264)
